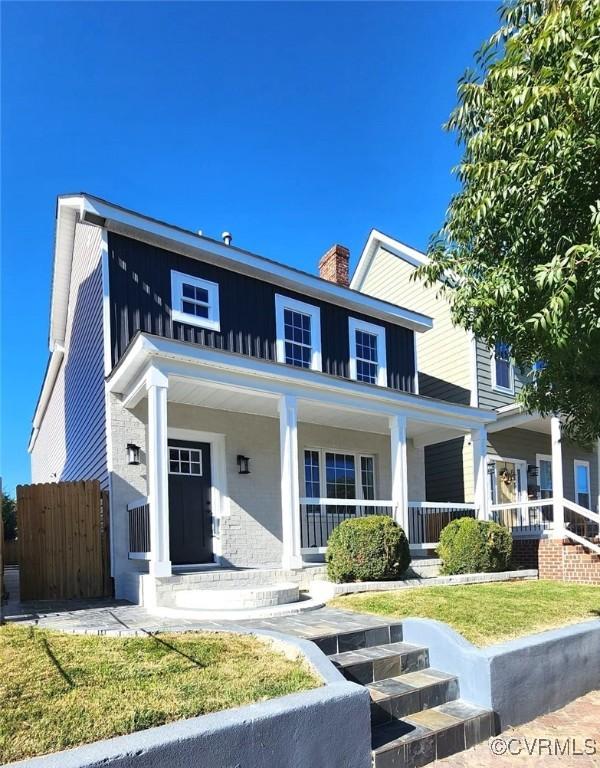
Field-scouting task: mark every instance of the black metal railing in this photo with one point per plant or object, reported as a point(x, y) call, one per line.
point(139, 528)
point(426, 520)
point(319, 517)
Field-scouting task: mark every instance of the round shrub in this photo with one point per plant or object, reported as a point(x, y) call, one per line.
point(474, 546)
point(372, 548)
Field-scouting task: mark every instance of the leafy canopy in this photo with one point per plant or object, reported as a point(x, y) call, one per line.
point(519, 252)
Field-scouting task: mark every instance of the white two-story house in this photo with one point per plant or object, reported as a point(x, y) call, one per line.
point(237, 409)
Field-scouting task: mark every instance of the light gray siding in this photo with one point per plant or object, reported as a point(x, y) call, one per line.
point(488, 396)
point(525, 444)
point(71, 443)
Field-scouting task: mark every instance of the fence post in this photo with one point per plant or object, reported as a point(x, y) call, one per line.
point(479, 443)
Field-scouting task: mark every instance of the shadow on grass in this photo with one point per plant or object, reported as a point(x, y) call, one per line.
point(68, 680)
point(160, 641)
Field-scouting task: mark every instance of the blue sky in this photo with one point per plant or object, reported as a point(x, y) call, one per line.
point(291, 125)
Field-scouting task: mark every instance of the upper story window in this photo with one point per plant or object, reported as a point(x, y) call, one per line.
point(503, 374)
point(195, 301)
point(298, 328)
point(367, 352)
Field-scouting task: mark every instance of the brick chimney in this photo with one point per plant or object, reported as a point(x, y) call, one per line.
point(333, 265)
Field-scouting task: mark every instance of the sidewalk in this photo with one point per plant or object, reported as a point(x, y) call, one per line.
point(567, 728)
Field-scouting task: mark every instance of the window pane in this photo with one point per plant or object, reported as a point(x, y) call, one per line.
point(311, 474)
point(297, 336)
point(545, 478)
point(366, 371)
point(582, 479)
point(202, 295)
point(340, 476)
point(502, 364)
point(189, 307)
point(366, 346)
point(201, 310)
point(188, 291)
point(367, 477)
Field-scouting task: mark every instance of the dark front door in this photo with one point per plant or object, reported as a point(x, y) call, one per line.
point(190, 521)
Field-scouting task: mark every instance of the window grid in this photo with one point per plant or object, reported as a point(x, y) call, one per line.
point(545, 478)
point(367, 477)
point(185, 461)
point(194, 300)
point(340, 476)
point(312, 478)
point(297, 335)
point(366, 357)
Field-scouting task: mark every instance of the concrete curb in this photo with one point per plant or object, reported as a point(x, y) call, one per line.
point(520, 679)
point(326, 590)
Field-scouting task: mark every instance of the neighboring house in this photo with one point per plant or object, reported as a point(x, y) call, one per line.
point(237, 409)
point(455, 366)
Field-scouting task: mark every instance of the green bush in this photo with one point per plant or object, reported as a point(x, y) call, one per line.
point(474, 546)
point(372, 548)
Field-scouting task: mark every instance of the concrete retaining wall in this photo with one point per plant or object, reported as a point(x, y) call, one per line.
point(328, 726)
point(520, 679)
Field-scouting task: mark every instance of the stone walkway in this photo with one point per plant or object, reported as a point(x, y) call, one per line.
point(573, 729)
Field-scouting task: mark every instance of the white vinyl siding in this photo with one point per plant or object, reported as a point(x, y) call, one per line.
point(71, 443)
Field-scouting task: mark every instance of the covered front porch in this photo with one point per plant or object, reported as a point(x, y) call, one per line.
point(252, 464)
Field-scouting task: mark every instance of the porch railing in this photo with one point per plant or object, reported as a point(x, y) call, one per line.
point(318, 518)
point(426, 519)
point(139, 529)
point(525, 518)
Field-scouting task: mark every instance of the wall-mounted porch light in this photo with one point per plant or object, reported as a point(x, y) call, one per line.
point(532, 470)
point(133, 453)
point(491, 468)
point(243, 463)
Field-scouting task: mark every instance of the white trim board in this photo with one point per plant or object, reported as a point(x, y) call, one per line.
point(378, 331)
point(285, 302)
point(219, 497)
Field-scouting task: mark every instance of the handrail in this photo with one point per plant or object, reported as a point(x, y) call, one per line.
point(347, 502)
point(440, 505)
point(581, 540)
point(579, 510)
point(522, 504)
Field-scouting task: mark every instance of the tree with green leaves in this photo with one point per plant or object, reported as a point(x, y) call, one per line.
point(518, 254)
point(9, 517)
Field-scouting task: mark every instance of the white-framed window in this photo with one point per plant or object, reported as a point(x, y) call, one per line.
point(298, 327)
point(337, 474)
point(195, 301)
point(583, 494)
point(367, 352)
point(544, 465)
point(185, 461)
point(503, 373)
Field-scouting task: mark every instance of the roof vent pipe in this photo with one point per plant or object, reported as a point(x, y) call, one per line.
point(227, 238)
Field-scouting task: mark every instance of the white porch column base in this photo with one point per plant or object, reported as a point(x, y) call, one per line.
point(399, 470)
point(158, 478)
point(479, 443)
point(557, 474)
point(290, 485)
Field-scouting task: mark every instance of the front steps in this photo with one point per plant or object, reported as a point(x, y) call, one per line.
point(565, 560)
point(238, 599)
point(417, 715)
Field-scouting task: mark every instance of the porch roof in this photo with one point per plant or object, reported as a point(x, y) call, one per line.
point(514, 416)
point(230, 381)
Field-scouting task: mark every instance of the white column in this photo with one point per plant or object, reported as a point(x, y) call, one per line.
point(158, 477)
point(598, 474)
point(557, 474)
point(399, 470)
point(479, 443)
point(290, 486)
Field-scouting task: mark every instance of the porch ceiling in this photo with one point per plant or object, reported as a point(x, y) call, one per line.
point(513, 417)
point(227, 398)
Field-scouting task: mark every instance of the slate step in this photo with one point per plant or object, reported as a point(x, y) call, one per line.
point(367, 637)
point(431, 734)
point(367, 665)
point(411, 692)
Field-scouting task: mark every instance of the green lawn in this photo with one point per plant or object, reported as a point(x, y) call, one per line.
point(486, 613)
point(59, 690)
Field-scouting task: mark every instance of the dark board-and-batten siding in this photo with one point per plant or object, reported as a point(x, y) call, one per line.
point(140, 294)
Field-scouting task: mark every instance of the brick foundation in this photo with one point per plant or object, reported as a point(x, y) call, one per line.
point(564, 561)
point(525, 553)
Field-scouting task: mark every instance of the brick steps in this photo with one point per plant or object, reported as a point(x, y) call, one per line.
point(565, 560)
point(416, 713)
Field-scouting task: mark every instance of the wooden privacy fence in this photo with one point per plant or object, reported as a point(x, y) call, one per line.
point(63, 541)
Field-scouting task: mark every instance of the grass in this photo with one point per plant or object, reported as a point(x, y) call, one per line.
point(487, 613)
point(59, 690)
